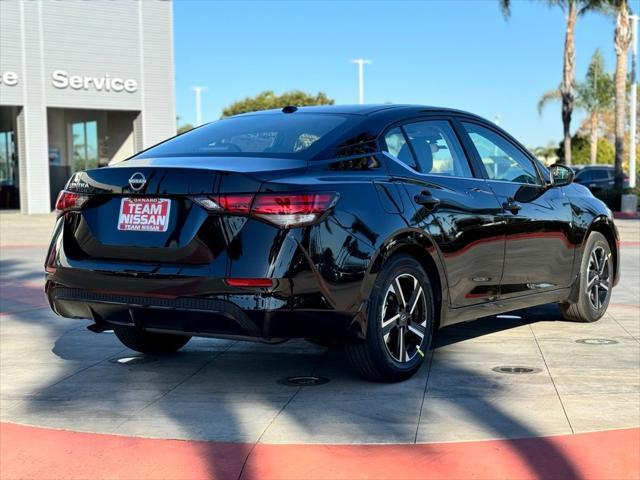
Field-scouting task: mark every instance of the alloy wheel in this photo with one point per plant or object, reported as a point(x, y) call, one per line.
point(404, 318)
point(598, 277)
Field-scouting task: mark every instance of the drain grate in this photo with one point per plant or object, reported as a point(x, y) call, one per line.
point(303, 381)
point(136, 360)
point(597, 341)
point(515, 370)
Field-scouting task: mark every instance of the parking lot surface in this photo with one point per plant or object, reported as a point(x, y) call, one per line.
point(56, 374)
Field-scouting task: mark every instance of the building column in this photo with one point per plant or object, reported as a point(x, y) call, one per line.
point(32, 120)
point(157, 84)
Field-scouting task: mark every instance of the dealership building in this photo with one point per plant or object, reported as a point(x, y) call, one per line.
point(82, 84)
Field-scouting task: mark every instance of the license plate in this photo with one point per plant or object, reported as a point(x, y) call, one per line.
point(144, 214)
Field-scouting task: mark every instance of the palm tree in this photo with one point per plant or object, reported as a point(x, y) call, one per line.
point(572, 9)
point(594, 95)
point(622, 40)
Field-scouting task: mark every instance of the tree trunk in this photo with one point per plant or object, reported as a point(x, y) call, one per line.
point(568, 75)
point(593, 119)
point(622, 39)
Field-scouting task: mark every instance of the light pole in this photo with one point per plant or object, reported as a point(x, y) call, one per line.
point(634, 107)
point(361, 62)
point(198, 89)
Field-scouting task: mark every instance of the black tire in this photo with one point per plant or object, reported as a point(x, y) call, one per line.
point(376, 357)
point(150, 343)
point(587, 308)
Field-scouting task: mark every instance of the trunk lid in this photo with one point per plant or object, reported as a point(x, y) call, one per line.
point(163, 189)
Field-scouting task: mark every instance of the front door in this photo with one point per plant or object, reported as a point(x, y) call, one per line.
point(538, 252)
point(458, 211)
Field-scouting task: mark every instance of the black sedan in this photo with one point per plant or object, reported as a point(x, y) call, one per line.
point(365, 226)
point(597, 178)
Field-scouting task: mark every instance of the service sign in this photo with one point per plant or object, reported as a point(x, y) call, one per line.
point(144, 214)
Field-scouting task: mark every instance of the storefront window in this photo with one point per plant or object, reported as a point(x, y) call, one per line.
point(85, 145)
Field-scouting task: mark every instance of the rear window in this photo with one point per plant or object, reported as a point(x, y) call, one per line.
point(297, 135)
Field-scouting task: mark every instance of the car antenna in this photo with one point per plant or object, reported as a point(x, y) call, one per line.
point(290, 109)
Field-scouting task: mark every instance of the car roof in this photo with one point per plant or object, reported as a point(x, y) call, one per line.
point(591, 167)
point(367, 109)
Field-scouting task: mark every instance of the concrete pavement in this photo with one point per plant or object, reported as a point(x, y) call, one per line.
point(54, 373)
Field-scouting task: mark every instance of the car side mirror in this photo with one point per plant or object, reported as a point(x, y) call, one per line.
point(560, 175)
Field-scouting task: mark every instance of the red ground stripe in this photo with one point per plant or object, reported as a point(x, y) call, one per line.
point(37, 453)
point(629, 243)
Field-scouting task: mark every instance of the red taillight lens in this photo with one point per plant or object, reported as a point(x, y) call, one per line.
point(70, 201)
point(282, 209)
point(279, 204)
point(235, 203)
point(228, 203)
point(289, 210)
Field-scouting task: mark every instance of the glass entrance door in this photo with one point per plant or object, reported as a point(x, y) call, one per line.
point(84, 145)
point(9, 171)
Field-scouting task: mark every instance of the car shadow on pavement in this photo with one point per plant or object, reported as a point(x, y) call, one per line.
point(224, 390)
point(12, 271)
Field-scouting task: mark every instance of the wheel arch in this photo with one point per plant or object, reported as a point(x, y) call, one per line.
point(425, 251)
point(607, 228)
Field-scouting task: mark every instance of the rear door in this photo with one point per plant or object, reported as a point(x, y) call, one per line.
point(602, 179)
point(538, 254)
point(456, 209)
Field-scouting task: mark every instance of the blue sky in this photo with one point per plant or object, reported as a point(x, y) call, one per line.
point(456, 53)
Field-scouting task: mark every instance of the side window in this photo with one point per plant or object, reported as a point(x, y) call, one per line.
point(583, 176)
point(397, 147)
point(437, 149)
point(501, 159)
point(600, 174)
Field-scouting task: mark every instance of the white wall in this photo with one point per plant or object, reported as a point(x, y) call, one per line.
point(116, 38)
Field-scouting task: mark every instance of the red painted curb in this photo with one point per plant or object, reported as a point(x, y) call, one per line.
point(39, 453)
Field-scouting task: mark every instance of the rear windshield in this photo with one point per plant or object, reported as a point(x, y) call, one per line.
point(296, 135)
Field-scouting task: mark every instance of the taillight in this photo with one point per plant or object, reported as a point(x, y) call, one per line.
point(228, 203)
point(70, 201)
point(287, 210)
point(282, 209)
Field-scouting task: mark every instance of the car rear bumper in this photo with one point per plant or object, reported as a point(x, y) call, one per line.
point(262, 316)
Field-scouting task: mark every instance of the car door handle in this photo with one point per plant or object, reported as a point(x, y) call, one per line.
point(511, 205)
point(427, 200)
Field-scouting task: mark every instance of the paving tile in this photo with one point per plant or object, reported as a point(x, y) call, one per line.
point(470, 418)
point(309, 418)
point(589, 413)
point(451, 379)
point(605, 383)
point(205, 420)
